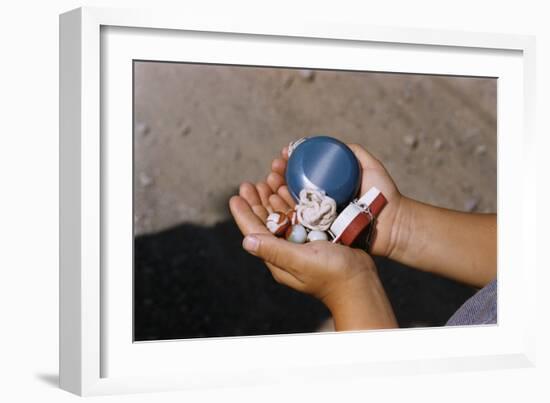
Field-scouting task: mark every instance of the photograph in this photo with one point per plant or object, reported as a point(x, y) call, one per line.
point(278, 200)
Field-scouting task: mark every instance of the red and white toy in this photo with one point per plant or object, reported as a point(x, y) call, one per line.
point(277, 223)
point(356, 217)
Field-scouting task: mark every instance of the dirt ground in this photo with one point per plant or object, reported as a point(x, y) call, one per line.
point(201, 130)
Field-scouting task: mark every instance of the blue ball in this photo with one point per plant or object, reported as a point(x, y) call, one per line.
point(327, 164)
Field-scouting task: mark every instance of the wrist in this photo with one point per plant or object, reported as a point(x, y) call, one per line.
point(402, 229)
point(361, 303)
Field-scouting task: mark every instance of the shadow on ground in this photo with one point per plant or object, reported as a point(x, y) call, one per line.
point(192, 281)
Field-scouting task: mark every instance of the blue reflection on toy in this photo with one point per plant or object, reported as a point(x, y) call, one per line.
point(327, 164)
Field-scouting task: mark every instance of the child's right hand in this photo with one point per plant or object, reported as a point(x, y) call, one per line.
point(373, 174)
point(457, 245)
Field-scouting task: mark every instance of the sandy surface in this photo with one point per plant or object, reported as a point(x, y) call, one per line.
point(202, 130)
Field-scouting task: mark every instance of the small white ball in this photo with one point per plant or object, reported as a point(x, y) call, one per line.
point(317, 236)
point(296, 233)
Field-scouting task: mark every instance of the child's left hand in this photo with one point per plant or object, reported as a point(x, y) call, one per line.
point(344, 279)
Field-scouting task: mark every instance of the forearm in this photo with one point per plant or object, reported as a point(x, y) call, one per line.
point(364, 305)
point(456, 245)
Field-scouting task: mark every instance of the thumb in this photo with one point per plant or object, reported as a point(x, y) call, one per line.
point(279, 252)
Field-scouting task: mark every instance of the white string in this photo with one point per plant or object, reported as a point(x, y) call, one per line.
point(315, 210)
point(293, 144)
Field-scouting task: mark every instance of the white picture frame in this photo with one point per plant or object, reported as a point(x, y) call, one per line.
point(97, 353)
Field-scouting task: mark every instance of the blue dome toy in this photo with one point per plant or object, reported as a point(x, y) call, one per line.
point(323, 163)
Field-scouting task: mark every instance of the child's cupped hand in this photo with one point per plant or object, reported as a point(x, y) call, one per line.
point(343, 278)
point(337, 275)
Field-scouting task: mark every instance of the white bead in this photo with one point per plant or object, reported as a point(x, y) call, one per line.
point(297, 234)
point(317, 236)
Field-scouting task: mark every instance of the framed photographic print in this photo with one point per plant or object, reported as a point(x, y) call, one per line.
point(163, 117)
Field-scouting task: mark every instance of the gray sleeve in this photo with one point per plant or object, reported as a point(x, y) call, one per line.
point(480, 309)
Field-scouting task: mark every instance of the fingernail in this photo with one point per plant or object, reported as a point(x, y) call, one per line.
point(251, 243)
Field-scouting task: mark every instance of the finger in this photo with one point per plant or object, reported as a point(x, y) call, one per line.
point(247, 221)
point(283, 277)
point(366, 159)
point(284, 194)
point(283, 254)
point(264, 192)
point(278, 203)
point(284, 152)
point(279, 166)
point(249, 192)
point(275, 181)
